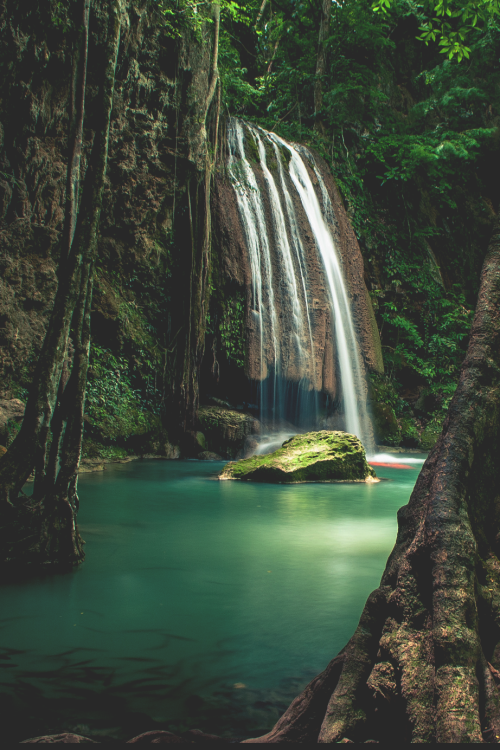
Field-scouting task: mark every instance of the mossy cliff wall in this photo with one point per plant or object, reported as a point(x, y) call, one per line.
point(154, 225)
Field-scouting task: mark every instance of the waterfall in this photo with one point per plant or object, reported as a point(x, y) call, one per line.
point(289, 237)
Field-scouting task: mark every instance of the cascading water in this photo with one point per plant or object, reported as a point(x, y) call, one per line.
point(278, 208)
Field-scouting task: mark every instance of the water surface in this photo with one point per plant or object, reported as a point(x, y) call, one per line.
point(201, 603)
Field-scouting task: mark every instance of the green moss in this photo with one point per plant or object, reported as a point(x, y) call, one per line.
point(286, 156)
point(251, 149)
point(432, 431)
point(272, 164)
point(232, 328)
point(313, 457)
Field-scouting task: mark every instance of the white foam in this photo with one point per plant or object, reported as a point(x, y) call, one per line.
point(273, 442)
point(394, 458)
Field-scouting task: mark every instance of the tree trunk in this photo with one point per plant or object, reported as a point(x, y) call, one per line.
point(44, 530)
point(424, 662)
point(77, 110)
point(324, 30)
point(182, 406)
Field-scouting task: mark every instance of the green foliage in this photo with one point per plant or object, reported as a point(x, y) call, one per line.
point(62, 14)
point(139, 302)
point(232, 329)
point(96, 450)
point(385, 391)
point(449, 23)
point(433, 343)
point(180, 16)
point(408, 135)
point(113, 407)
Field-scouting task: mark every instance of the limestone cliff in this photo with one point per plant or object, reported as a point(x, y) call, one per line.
point(154, 220)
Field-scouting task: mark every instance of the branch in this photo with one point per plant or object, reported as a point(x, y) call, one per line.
point(215, 72)
point(261, 11)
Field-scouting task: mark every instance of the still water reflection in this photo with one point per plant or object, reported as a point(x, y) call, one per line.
point(201, 603)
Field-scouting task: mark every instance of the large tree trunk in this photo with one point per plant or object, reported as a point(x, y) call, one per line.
point(44, 530)
point(424, 662)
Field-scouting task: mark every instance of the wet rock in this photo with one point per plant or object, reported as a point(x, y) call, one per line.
point(192, 735)
point(163, 447)
point(209, 456)
point(88, 465)
point(192, 443)
point(169, 451)
point(251, 445)
point(157, 737)
point(226, 430)
point(64, 737)
point(313, 457)
point(218, 402)
point(196, 735)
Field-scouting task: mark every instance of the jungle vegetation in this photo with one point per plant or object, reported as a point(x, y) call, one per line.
point(402, 100)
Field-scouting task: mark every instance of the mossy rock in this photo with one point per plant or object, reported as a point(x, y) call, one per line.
point(387, 429)
point(323, 456)
point(432, 431)
point(226, 430)
point(201, 440)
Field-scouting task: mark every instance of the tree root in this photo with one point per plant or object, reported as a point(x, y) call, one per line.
point(424, 662)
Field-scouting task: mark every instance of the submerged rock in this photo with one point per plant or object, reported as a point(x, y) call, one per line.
point(209, 456)
point(65, 737)
point(313, 457)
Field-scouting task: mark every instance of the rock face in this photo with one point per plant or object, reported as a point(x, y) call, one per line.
point(157, 154)
point(313, 457)
point(227, 432)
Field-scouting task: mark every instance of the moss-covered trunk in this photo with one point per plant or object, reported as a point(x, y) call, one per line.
point(49, 441)
point(45, 530)
point(424, 662)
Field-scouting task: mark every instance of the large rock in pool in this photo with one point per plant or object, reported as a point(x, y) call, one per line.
point(313, 457)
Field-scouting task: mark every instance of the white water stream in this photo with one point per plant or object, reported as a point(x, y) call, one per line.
point(282, 305)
